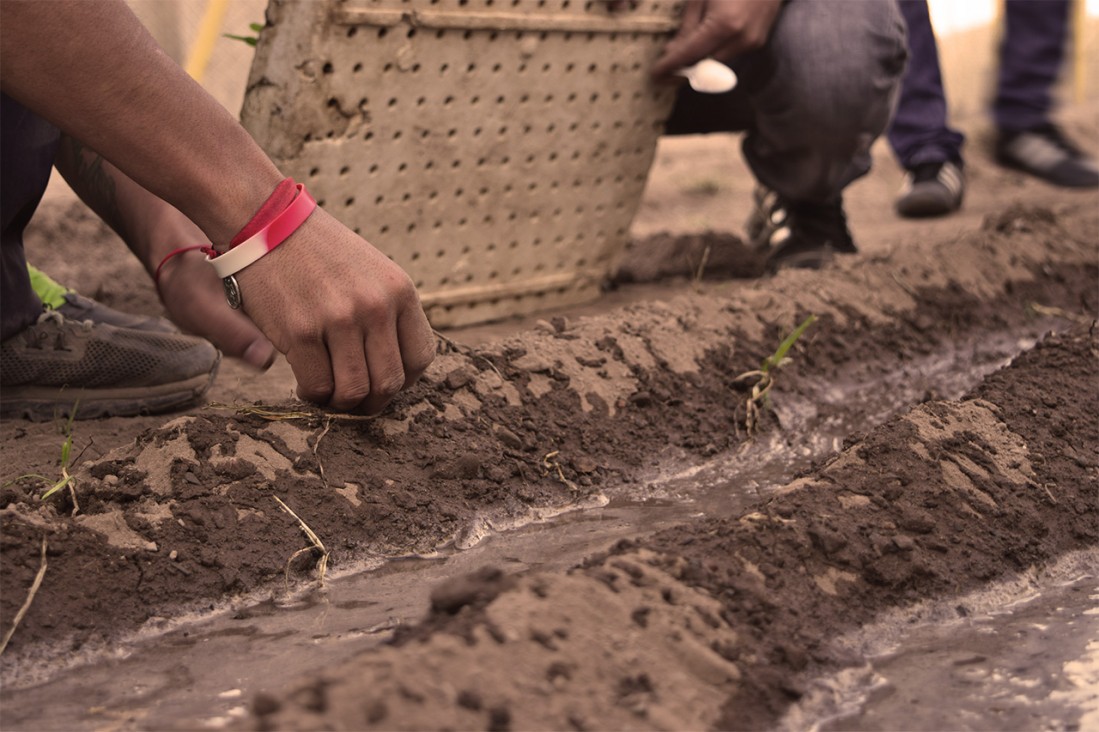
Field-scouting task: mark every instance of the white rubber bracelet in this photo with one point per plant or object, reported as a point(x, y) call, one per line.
point(267, 238)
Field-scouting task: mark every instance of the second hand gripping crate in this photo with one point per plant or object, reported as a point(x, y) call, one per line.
point(495, 149)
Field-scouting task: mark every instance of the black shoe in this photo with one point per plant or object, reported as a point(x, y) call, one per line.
point(796, 234)
point(1045, 153)
point(932, 189)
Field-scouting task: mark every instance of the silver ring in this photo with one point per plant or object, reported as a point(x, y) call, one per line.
point(232, 291)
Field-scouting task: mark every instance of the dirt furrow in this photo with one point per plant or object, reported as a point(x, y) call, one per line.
point(185, 517)
point(716, 623)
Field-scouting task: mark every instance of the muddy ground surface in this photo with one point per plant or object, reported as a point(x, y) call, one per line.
point(713, 623)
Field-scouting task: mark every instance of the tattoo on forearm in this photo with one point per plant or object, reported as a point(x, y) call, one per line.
point(97, 185)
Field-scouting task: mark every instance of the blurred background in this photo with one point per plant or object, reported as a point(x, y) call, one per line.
point(193, 33)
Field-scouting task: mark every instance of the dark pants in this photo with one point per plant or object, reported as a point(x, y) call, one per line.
point(813, 100)
point(28, 145)
point(1030, 60)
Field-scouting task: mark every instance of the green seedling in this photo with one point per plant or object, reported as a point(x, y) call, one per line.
point(704, 188)
point(763, 379)
point(66, 480)
point(776, 359)
point(250, 40)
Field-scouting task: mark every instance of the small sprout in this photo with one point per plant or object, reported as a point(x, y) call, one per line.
point(763, 379)
point(775, 360)
point(65, 480)
point(705, 188)
point(250, 40)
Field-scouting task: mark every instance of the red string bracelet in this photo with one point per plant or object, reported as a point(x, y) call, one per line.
point(205, 248)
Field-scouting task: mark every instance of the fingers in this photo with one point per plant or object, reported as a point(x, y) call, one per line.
point(346, 373)
point(383, 356)
point(417, 344)
point(312, 367)
point(686, 50)
point(723, 29)
point(348, 319)
point(260, 353)
point(692, 17)
point(238, 337)
point(195, 301)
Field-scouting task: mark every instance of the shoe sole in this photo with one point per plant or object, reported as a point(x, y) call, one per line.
point(42, 404)
point(812, 260)
point(1042, 176)
point(916, 206)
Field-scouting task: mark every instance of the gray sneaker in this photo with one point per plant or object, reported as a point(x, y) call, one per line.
point(75, 306)
point(932, 189)
point(58, 366)
point(79, 308)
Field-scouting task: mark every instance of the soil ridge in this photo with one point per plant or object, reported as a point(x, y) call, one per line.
point(739, 610)
point(185, 516)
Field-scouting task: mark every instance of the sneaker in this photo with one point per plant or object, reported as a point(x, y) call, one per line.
point(75, 306)
point(58, 366)
point(798, 235)
point(1045, 153)
point(932, 189)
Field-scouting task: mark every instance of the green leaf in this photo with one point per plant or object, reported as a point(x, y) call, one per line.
point(775, 359)
point(250, 40)
point(56, 487)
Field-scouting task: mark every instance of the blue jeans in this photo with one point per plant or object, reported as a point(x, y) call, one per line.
point(813, 100)
point(1030, 59)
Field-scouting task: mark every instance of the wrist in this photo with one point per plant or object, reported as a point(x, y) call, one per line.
point(284, 211)
point(233, 204)
point(165, 232)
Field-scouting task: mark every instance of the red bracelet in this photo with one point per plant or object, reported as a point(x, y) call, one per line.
point(205, 248)
point(244, 252)
point(279, 217)
point(284, 194)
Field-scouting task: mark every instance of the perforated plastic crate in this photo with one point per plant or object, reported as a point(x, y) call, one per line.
point(495, 149)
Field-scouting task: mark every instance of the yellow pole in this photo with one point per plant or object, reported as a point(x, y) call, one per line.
point(208, 33)
point(1079, 60)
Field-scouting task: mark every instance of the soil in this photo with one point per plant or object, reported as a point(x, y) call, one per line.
point(715, 623)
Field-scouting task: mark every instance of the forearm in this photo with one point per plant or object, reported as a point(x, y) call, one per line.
point(93, 70)
point(150, 226)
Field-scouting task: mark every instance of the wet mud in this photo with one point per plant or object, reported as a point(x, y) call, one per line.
point(715, 623)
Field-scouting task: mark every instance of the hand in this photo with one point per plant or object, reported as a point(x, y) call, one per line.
point(721, 29)
point(347, 318)
point(194, 297)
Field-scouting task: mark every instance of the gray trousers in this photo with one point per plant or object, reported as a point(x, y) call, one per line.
point(813, 100)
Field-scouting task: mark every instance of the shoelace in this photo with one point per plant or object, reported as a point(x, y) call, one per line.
point(926, 172)
point(37, 337)
point(826, 222)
